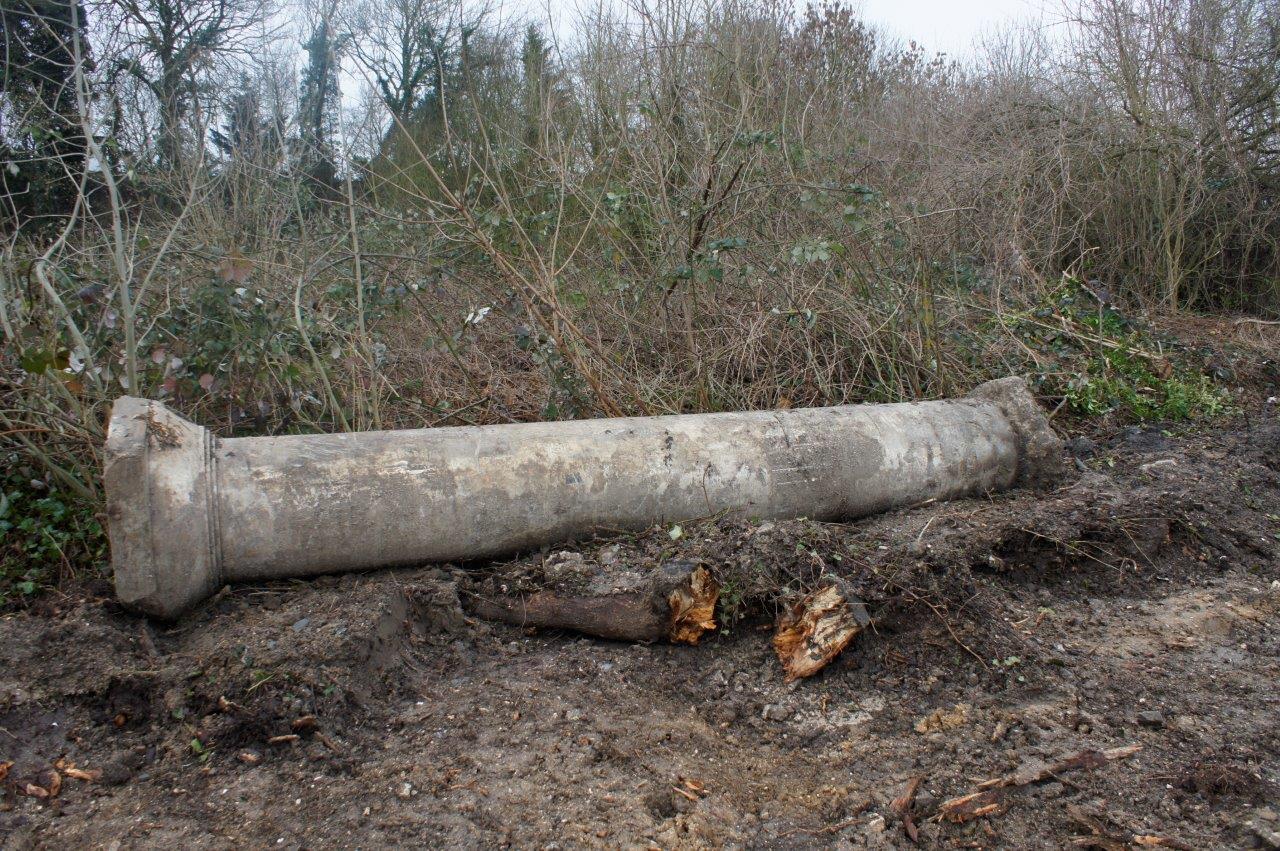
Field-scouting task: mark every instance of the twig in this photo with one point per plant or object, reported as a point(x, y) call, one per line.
point(831, 828)
point(917, 598)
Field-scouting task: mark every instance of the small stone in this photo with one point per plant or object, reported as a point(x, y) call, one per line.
point(876, 824)
point(1270, 837)
point(1082, 447)
point(1052, 790)
point(811, 730)
point(1145, 440)
point(1151, 718)
point(930, 835)
point(724, 714)
point(300, 624)
point(776, 712)
point(574, 715)
point(405, 792)
point(118, 771)
point(565, 565)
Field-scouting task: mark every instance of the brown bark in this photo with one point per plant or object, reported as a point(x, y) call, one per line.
point(677, 604)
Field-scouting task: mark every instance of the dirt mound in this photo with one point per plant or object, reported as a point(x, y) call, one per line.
point(1132, 605)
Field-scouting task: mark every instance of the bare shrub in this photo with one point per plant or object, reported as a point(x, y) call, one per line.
point(694, 206)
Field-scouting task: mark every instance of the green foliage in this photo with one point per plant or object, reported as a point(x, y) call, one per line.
point(44, 532)
point(568, 398)
point(1117, 381)
point(200, 750)
point(704, 264)
point(241, 343)
point(1110, 363)
point(813, 250)
point(731, 605)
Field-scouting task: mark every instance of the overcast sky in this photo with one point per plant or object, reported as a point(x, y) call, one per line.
point(948, 26)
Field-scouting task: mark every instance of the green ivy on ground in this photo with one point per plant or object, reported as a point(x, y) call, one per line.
point(45, 535)
point(1105, 362)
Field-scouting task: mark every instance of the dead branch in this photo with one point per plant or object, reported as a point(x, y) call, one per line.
point(676, 603)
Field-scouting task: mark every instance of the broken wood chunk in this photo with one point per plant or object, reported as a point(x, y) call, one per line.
point(904, 803)
point(47, 785)
point(972, 806)
point(675, 603)
point(814, 631)
point(693, 607)
point(305, 724)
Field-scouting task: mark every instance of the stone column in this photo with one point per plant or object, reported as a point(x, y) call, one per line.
point(189, 512)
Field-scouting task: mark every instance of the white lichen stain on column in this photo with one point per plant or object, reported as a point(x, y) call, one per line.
point(300, 505)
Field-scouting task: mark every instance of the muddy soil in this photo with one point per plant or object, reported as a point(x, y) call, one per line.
point(1134, 605)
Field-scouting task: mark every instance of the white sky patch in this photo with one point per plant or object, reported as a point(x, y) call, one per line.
point(949, 26)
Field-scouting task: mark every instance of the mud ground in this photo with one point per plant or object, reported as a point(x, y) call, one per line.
point(1134, 605)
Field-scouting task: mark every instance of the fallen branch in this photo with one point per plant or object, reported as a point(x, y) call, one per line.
point(989, 799)
point(1035, 772)
point(972, 806)
point(911, 595)
point(676, 603)
point(856, 811)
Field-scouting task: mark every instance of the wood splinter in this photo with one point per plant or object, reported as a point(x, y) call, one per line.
point(814, 631)
point(675, 603)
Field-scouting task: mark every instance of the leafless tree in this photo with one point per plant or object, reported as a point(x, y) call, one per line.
point(175, 48)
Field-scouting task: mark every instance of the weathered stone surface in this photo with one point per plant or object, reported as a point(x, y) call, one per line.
point(189, 512)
